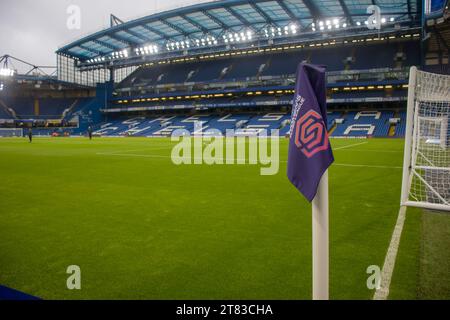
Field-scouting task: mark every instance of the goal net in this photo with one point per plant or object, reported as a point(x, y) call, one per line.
point(426, 176)
point(11, 132)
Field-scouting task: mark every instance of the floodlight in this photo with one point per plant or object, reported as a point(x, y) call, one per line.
point(294, 29)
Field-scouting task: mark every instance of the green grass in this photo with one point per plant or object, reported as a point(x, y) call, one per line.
point(142, 228)
point(423, 263)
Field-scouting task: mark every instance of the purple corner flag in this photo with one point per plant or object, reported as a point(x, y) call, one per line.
point(310, 153)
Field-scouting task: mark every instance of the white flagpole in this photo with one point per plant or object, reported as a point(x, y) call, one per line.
point(320, 233)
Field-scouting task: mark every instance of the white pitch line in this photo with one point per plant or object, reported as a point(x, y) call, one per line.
point(376, 150)
point(224, 159)
point(351, 145)
point(391, 257)
point(366, 166)
point(133, 155)
point(134, 150)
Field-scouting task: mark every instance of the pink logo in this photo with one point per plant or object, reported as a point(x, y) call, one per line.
point(311, 135)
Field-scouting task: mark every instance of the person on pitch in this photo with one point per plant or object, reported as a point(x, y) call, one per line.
point(30, 135)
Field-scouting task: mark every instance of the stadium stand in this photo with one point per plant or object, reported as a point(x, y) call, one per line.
point(229, 80)
point(45, 108)
point(4, 113)
point(278, 64)
point(364, 123)
point(355, 124)
point(400, 129)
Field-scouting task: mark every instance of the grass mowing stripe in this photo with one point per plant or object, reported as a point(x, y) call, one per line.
point(423, 262)
point(434, 276)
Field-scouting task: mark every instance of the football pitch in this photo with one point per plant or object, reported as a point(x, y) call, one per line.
point(141, 227)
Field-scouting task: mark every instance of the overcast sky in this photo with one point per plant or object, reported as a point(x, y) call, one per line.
point(33, 30)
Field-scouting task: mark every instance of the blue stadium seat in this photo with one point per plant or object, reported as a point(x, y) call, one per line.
point(364, 125)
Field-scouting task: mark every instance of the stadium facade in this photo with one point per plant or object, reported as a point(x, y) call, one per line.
point(231, 64)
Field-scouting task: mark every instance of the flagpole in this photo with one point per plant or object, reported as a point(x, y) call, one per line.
point(320, 241)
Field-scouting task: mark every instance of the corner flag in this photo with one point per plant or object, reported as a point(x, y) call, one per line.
point(310, 156)
point(310, 153)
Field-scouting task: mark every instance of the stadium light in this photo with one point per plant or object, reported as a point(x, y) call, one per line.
point(392, 19)
point(117, 55)
point(330, 24)
point(290, 29)
point(177, 45)
point(242, 36)
point(6, 72)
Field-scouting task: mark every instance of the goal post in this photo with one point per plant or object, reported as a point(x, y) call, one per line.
point(426, 167)
point(11, 132)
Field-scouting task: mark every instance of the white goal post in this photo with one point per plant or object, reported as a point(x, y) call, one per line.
point(426, 167)
point(11, 132)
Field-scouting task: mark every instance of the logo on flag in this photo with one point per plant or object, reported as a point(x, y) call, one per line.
point(310, 153)
point(311, 134)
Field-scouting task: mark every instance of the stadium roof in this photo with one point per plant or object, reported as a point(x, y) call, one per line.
point(212, 22)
